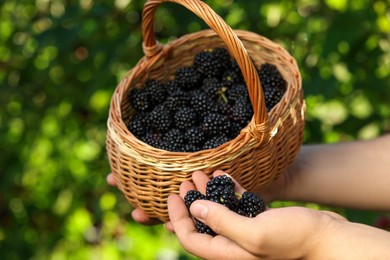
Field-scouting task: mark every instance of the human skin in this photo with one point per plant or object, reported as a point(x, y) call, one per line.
point(284, 233)
point(348, 174)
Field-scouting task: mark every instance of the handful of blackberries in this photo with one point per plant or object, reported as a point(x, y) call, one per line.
point(220, 189)
point(204, 106)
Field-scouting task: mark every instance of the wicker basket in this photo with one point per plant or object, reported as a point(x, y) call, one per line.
point(259, 154)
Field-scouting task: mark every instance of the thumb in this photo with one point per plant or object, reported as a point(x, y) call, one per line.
point(222, 220)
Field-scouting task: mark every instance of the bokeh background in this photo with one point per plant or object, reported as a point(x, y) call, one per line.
point(60, 62)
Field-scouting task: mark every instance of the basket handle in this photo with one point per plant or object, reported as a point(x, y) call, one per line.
point(225, 32)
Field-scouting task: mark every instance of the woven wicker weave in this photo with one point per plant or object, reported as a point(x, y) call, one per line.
point(259, 154)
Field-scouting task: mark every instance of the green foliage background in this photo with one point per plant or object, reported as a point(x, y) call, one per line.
point(60, 62)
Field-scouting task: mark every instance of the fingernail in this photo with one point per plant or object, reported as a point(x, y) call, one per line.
point(199, 210)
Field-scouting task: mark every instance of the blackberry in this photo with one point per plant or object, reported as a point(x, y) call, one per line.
point(190, 148)
point(215, 124)
point(188, 77)
point(137, 126)
point(191, 196)
point(237, 91)
point(273, 84)
point(212, 63)
point(218, 181)
point(223, 107)
point(195, 135)
point(250, 204)
point(171, 86)
point(235, 68)
point(222, 56)
point(140, 99)
point(231, 77)
point(173, 140)
point(160, 119)
point(178, 98)
point(212, 87)
point(185, 117)
point(203, 228)
point(156, 90)
point(215, 141)
point(242, 112)
point(151, 138)
point(201, 102)
point(221, 190)
point(272, 97)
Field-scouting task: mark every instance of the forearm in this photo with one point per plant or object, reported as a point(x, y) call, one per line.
point(355, 174)
point(347, 240)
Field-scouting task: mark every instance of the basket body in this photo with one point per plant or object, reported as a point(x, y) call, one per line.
point(258, 155)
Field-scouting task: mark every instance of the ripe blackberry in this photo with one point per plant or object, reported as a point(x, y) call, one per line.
point(191, 196)
point(194, 135)
point(215, 124)
point(185, 117)
point(272, 97)
point(220, 189)
point(177, 98)
point(212, 87)
point(223, 107)
point(201, 102)
point(273, 84)
point(171, 86)
point(151, 138)
point(160, 119)
point(173, 140)
point(215, 141)
point(231, 77)
point(212, 62)
point(203, 228)
point(242, 112)
point(156, 90)
point(137, 126)
point(237, 71)
point(140, 99)
point(218, 181)
point(250, 204)
point(222, 56)
point(237, 91)
point(188, 77)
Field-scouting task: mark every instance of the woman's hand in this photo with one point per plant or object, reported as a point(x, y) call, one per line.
point(137, 214)
point(284, 233)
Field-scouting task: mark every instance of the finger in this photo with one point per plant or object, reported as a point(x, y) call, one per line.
point(139, 216)
point(111, 179)
point(185, 187)
point(178, 214)
point(334, 215)
point(201, 245)
point(219, 218)
point(200, 180)
point(238, 188)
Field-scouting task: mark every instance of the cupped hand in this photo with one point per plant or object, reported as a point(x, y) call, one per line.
point(137, 214)
point(285, 233)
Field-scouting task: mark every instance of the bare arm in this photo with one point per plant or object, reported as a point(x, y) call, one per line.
point(279, 233)
point(354, 174)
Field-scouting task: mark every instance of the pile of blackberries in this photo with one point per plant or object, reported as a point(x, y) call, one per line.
point(220, 189)
point(204, 106)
